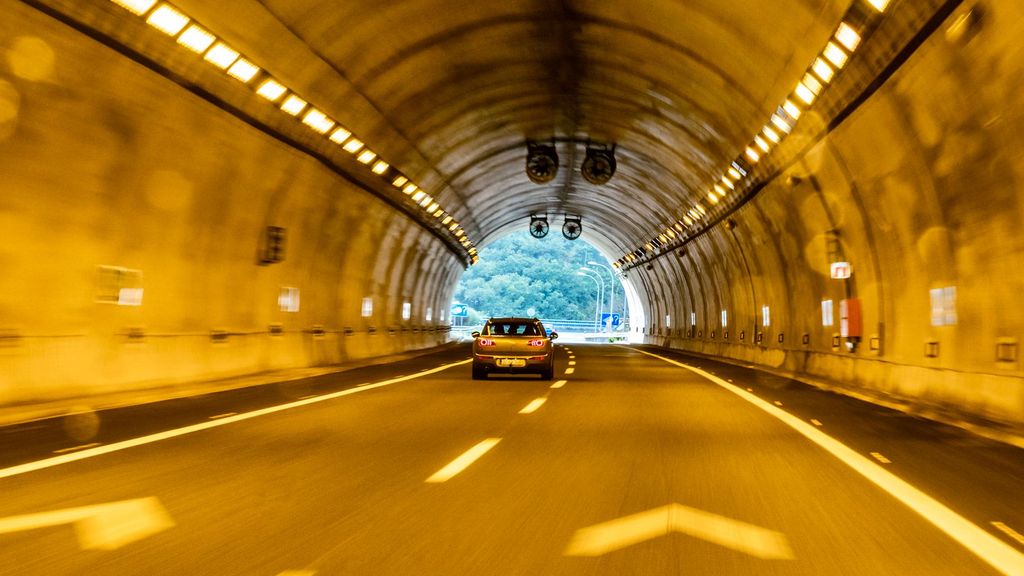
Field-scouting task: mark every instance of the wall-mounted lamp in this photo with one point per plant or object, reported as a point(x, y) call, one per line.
point(541, 162)
point(599, 163)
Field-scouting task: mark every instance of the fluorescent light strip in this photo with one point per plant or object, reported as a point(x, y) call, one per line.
point(835, 55)
point(293, 105)
point(340, 135)
point(366, 156)
point(271, 90)
point(243, 70)
point(848, 37)
point(193, 37)
point(879, 5)
point(196, 39)
point(318, 121)
point(167, 20)
point(352, 146)
point(137, 7)
point(221, 56)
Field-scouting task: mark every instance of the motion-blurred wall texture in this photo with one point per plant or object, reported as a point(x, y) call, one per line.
point(104, 162)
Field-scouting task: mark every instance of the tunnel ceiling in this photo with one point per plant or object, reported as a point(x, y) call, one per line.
point(450, 92)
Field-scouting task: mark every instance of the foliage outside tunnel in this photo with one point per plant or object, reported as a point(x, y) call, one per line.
point(518, 273)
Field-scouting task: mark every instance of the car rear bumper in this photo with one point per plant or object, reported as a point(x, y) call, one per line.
point(512, 364)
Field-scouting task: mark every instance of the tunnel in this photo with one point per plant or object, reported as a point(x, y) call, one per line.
point(135, 166)
point(827, 191)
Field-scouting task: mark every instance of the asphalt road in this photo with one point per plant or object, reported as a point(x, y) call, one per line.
point(630, 465)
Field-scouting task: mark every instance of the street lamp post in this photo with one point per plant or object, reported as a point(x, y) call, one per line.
point(600, 296)
point(611, 292)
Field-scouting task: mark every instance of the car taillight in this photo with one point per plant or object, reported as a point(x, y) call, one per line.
point(484, 342)
point(536, 343)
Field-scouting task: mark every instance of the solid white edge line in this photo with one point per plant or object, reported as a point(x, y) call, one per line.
point(533, 406)
point(125, 444)
point(463, 461)
point(990, 549)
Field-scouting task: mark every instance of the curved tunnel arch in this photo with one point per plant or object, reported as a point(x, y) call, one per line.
point(185, 201)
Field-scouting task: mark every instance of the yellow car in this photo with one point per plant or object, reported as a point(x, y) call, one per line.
point(513, 346)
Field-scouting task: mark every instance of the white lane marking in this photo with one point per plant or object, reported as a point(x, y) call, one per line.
point(100, 526)
point(559, 383)
point(463, 461)
point(816, 422)
point(569, 371)
point(1010, 532)
point(76, 448)
point(572, 363)
point(297, 573)
point(219, 416)
point(533, 406)
point(986, 546)
point(750, 389)
point(166, 435)
point(878, 456)
point(307, 397)
point(729, 380)
point(777, 403)
point(616, 534)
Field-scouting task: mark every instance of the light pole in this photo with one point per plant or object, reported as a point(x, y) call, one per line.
point(610, 288)
point(611, 292)
point(600, 296)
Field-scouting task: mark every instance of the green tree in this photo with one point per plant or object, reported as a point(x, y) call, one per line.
point(519, 272)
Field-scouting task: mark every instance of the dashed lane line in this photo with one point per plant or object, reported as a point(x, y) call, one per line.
point(533, 406)
point(76, 448)
point(559, 383)
point(168, 434)
point(225, 415)
point(878, 456)
point(569, 371)
point(1010, 532)
point(980, 542)
point(463, 461)
point(816, 422)
point(572, 362)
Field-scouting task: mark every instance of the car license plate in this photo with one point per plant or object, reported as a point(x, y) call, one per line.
point(511, 362)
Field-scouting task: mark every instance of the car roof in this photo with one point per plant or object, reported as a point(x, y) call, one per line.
point(513, 319)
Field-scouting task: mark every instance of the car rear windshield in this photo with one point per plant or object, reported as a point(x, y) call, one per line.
point(512, 329)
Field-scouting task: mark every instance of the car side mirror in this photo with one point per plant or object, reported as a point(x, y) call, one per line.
point(475, 334)
point(553, 336)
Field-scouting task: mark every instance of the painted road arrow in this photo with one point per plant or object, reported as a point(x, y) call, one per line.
point(622, 532)
point(102, 526)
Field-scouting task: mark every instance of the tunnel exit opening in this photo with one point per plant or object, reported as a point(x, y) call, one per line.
point(569, 285)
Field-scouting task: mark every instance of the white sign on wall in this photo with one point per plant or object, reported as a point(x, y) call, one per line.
point(841, 270)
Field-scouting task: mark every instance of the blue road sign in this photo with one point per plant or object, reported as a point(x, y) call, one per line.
point(616, 319)
point(460, 310)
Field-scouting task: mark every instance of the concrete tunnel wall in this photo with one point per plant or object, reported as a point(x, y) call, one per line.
point(923, 185)
point(109, 168)
point(107, 163)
